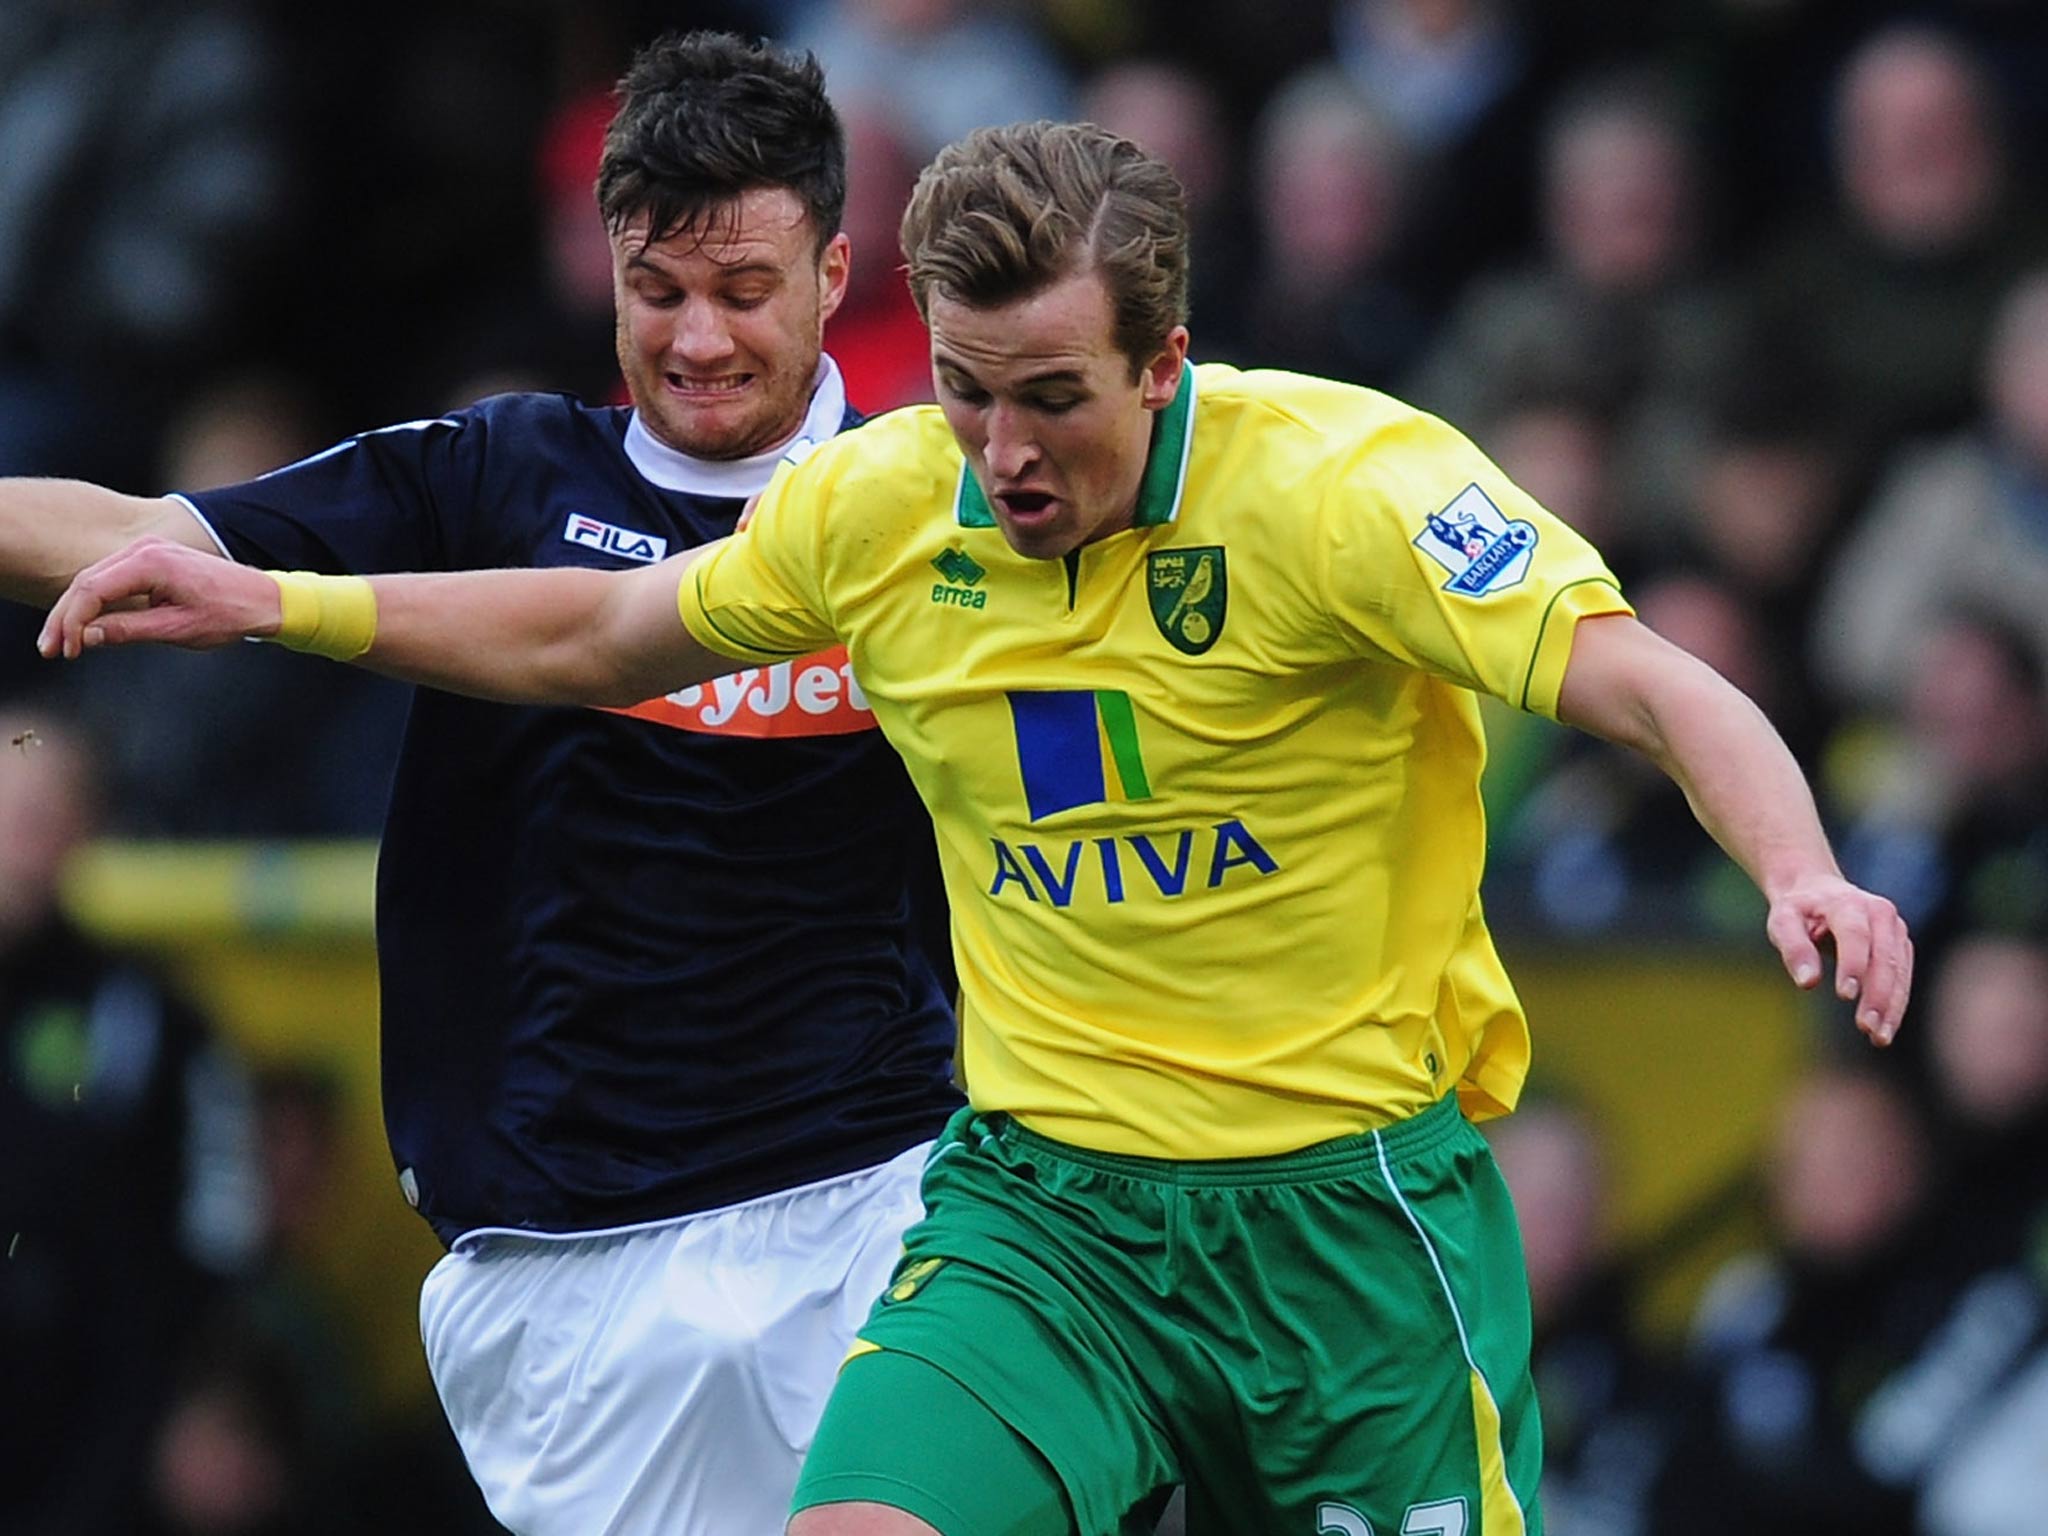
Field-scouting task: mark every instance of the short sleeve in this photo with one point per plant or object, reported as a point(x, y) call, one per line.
point(1432, 558)
point(378, 502)
point(759, 595)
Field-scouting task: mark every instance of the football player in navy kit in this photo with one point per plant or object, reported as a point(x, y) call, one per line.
point(661, 1048)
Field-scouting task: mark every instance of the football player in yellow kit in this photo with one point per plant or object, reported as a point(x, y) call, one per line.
point(1183, 661)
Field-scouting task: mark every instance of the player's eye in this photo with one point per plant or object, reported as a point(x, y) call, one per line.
point(966, 394)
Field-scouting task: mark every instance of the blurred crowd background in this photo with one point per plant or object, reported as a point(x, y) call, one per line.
point(1754, 292)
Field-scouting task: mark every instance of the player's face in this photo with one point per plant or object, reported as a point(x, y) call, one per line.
point(1042, 400)
point(719, 329)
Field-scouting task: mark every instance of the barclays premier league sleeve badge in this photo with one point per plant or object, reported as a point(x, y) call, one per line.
point(1482, 549)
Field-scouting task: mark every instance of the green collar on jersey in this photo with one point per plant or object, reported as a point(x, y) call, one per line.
point(1166, 467)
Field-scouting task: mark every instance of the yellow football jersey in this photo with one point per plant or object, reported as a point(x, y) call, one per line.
point(1207, 791)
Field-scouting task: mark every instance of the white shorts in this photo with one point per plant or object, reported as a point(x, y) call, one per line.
point(664, 1380)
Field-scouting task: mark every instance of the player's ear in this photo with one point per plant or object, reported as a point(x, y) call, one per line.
point(835, 262)
point(1159, 379)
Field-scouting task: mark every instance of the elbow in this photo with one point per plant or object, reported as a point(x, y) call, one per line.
point(629, 647)
point(615, 673)
point(1623, 718)
point(1630, 687)
point(1635, 727)
point(619, 691)
point(577, 674)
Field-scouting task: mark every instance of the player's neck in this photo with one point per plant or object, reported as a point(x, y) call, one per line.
point(672, 469)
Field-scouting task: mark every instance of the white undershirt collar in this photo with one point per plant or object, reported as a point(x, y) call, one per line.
point(676, 471)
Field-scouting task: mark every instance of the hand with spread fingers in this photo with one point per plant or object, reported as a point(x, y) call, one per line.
point(1873, 952)
point(158, 591)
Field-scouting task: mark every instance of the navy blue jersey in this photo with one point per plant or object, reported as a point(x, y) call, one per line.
point(634, 963)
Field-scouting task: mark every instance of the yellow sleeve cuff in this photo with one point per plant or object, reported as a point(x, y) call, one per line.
point(706, 630)
point(332, 616)
point(1581, 600)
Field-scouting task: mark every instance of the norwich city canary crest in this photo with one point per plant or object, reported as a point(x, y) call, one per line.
point(910, 1278)
point(1188, 593)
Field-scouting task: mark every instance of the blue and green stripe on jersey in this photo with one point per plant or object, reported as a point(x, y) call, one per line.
point(1077, 747)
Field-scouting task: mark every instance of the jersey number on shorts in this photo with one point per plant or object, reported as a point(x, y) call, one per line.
point(1440, 1517)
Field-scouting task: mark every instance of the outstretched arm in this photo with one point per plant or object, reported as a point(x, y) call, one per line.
point(1625, 683)
point(568, 636)
point(50, 530)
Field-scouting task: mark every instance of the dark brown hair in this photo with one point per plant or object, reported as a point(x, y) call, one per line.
point(704, 117)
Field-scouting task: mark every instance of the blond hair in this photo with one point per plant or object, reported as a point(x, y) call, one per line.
point(1006, 212)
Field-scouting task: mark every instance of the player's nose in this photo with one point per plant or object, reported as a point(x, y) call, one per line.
point(700, 334)
point(1011, 448)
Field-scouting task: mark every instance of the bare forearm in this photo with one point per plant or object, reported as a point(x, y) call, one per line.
point(50, 530)
point(1626, 684)
point(1738, 775)
point(567, 636)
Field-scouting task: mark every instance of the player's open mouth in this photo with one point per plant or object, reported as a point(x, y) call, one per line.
point(724, 384)
point(1027, 505)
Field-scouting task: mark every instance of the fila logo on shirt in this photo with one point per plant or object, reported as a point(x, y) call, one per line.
point(610, 539)
point(1481, 548)
point(1080, 748)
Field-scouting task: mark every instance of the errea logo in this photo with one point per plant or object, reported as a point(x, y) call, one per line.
point(962, 575)
point(626, 543)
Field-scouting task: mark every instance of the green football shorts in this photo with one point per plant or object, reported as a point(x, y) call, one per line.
point(1330, 1343)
